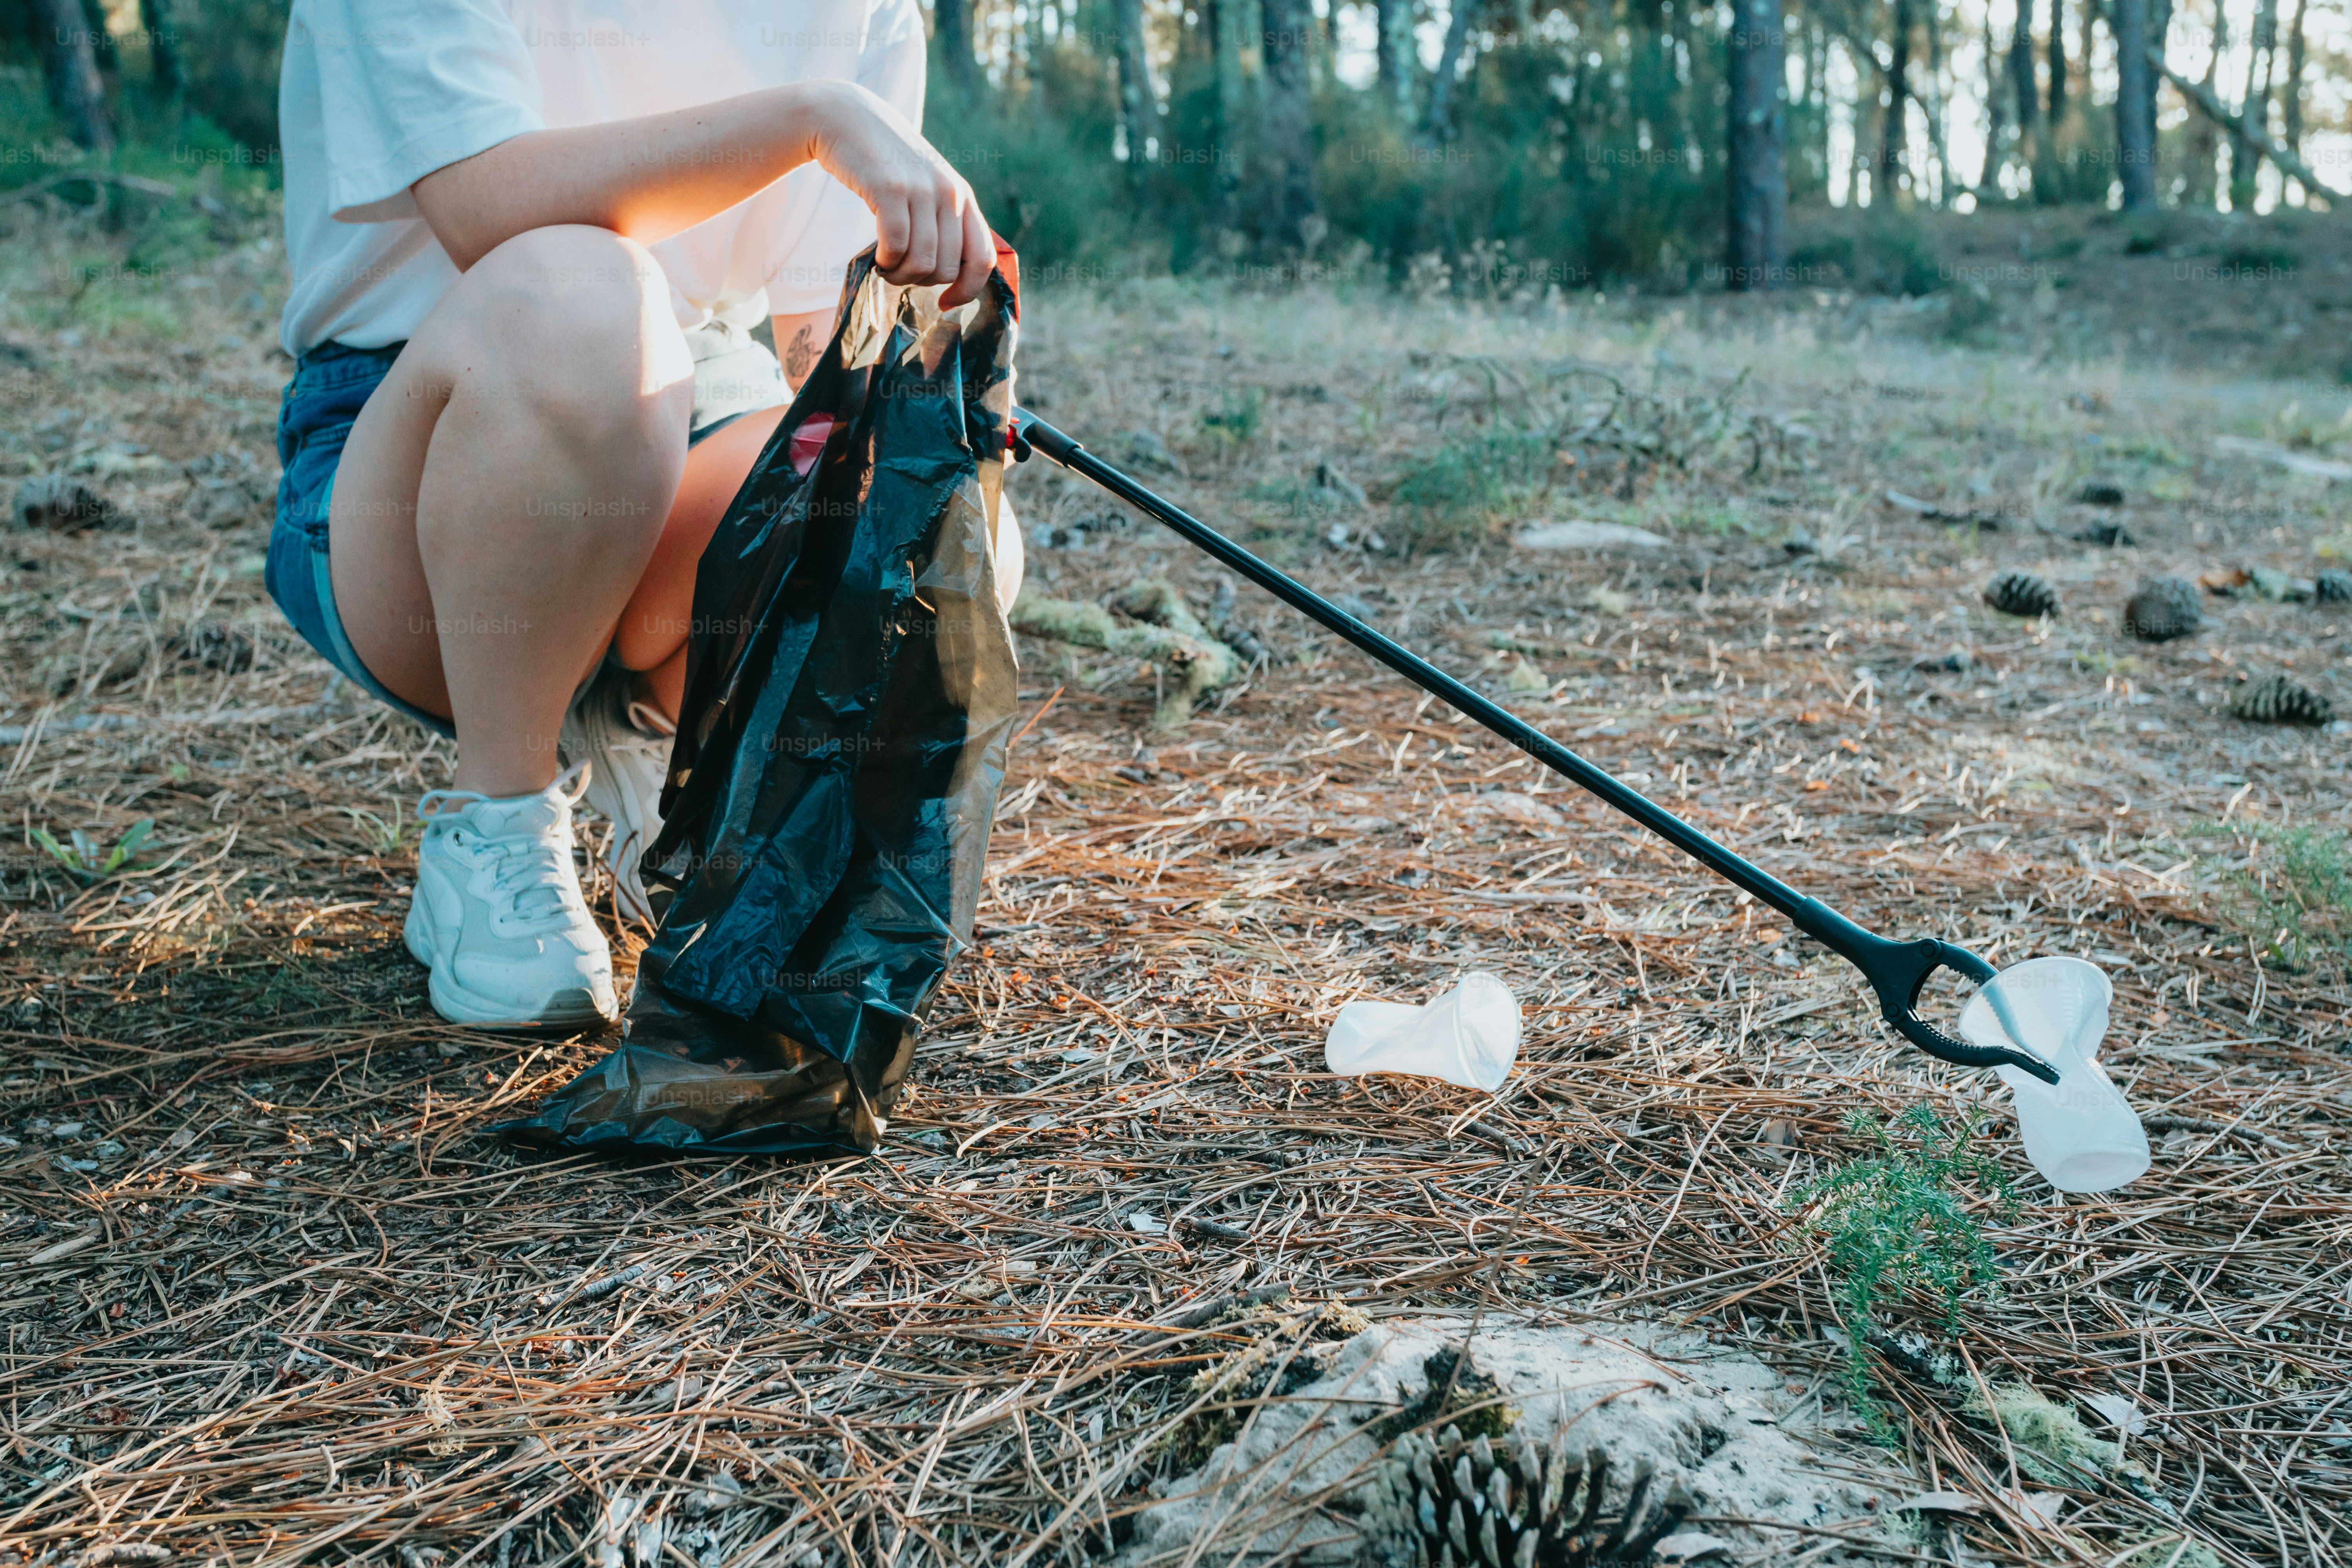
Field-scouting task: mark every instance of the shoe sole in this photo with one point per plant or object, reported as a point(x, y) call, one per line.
point(456, 1004)
point(459, 1005)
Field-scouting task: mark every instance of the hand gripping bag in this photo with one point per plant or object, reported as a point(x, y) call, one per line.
point(849, 697)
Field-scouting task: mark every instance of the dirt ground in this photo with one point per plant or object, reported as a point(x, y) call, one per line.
point(273, 1296)
point(2210, 293)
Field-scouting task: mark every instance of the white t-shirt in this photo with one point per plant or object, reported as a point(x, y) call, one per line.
point(377, 94)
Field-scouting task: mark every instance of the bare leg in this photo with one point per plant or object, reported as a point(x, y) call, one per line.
point(653, 631)
point(505, 488)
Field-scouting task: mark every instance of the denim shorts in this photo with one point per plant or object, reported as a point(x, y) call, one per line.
point(734, 375)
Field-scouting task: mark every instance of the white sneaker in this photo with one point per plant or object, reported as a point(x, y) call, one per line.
point(498, 916)
point(627, 747)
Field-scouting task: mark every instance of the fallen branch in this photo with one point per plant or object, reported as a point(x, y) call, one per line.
point(1216, 1307)
point(1172, 636)
point(2270, 147)
point(2202, 98)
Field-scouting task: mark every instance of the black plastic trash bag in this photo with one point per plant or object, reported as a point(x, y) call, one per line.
point(849, 697)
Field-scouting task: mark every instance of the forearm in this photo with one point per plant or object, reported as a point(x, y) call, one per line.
point(645, 178)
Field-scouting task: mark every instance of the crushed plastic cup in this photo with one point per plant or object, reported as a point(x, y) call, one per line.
point(2081, 1134)
point(1470, 1035)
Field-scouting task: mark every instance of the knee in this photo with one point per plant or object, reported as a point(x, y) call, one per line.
point(574, 323)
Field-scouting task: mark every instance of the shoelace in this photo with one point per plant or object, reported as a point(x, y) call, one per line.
point(530, 867)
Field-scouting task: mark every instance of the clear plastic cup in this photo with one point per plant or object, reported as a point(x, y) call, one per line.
point(1470, 1035)
point(2081, 1134)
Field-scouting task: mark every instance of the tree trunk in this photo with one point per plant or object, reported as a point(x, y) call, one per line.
point(1449, 62)
point(1759, 161)
point(2134, 106)
point(1894, 128)
point(1938, 112)
point(1817, 95)
point(2029, 139)
point(1032, 47)
point(2085, 51)
point(1679, 44)
point(162, 43)
point(1988, 172)
point(102, 52)
point(1139, 96)
point(2294, 97)
point(70, 66)
point(2202, 99)
point(2254, 113)
point(952, 28)
point(2057, 115)
point(1223, 20)
point(1394, 50)
point(2204, 138)
point(1288, 124)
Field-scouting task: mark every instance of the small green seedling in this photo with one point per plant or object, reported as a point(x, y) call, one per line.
point(1899, 1220)
point(86, 860)
point(1237, 419)
point(385, 835)
point(2292, 891)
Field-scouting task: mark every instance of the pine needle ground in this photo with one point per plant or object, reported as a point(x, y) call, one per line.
point(273, 1297)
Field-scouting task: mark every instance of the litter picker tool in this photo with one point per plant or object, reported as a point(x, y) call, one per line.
point(1896, 970)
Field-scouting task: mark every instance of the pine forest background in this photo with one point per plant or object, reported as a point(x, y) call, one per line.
point(1501, 147)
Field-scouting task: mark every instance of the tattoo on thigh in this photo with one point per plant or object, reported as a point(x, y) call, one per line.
point(799, 356)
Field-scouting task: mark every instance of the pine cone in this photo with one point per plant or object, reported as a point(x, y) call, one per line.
point(2021, 593)
point(1444, 1502)
point(62, 505)
point(2164, 609)
point(2278, 700)
point(2332, 586)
